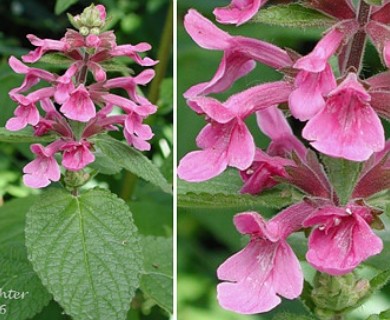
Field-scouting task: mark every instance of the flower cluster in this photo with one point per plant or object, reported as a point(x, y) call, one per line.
point(342, 118)
point(75, 107)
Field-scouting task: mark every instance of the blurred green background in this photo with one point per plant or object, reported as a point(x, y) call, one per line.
point(133, 21)
point(206, 238)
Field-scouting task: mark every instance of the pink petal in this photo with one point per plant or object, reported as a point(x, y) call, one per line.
point(79, 106)
point(202, 165)
point(273, 123)
point(241, 148)
point(213, 109)
point(204, 32)
point(238, 12)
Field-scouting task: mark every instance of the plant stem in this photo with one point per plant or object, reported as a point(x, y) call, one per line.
point(358, 43)
point(82, 76)
point(338, 317)
point(163, 56)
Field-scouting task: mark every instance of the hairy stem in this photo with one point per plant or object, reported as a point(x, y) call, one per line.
point(82, 76)
point(358, 43)
point(163, 56)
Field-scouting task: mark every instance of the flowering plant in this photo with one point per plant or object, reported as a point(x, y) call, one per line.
point(81, 246)
point(325, 179)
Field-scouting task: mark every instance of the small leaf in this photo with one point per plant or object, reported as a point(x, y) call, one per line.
point(56, 59)
point(343, 175)
point(117, 66)
point(132, 160)
point(86, 251)
point(292, 15)
point(62, 5)
point(380, 280)
point(381, 201)
point(157, 280)
point(290, 316)
point(374, 2)
point(306, 298)
point(224, 192)
point(16, 272)
point(23, 136)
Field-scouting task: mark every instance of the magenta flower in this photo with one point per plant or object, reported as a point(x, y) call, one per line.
point(77, 155)
point(132, 51)
point(266, 268)
point(44, 46)
point(347, 127)
point(316, 79)
point(79, 105)
point(240, 54)
point(342, 238)
point(137, 133)
point(40, 172)
point(226, 140)
point(238, 11)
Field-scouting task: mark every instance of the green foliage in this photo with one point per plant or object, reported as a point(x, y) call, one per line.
point(292, 15)
point(290, 316)
point(374, 2)
point(23, 136)
point(57, 60)
point(16, 272)
point(86, 251)
point(131, 160)
point(223, 192)
point(384, 315)
point(157, 278)
point(62, 5)
point(343, 175)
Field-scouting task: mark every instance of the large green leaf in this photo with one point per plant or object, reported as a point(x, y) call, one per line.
point(62, 5)
point(22, 136)
point(86, 251)
point(223, 192)
point(343, 175)
point(16, 272)
point(157, 280)
point(132, 160)
point(292, 15)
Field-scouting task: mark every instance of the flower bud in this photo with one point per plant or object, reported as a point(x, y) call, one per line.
point(95, 31)
point(75, 179)
point(84, 31)
point(92, 17)
point(334, 294)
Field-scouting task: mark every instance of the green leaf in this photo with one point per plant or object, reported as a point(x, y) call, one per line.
point(374, 2)
point(290, 316)
point(381, 201)
point(16, 272)
point(223, 192)
point(115, 65)
point(380, 280)
point(292, 15)
point(132, 160)
point(343, 174)
point(86, 251)
point(157, 280)
point(22, 136)
point(62, 5)
point(56, 59)
point(306, 298)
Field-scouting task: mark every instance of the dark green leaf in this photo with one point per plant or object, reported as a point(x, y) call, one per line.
point(117, 66)
point(57, 60)
point(23, 136)
point(62, 5)
point(16, 272)
point(290, 316)
point(157, 280)
point(132, 160)
point(374, 2)
point(224, 192)
point(86, 251)
point(292, 15)
point(343, 175)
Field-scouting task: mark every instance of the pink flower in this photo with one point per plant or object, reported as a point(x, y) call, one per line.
point(137, 133)
point(226, 141)
point(240, 54)
point(26, 111)
point(102, 11)
point(43, 47)
point(77, 155)
point(40, 172)
point(347, 127)
point(130, 84)
point(260, 174)
point(274, 124)
point(132, 52)
point(342, 239)
point(316, 79)
point(79, 105)
point(33, 75)
point(266, 268)
point(238, 11)
point(65, 83)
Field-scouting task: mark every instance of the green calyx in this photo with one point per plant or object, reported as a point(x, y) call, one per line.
point(88, 22)
point(335, 294)
point(75, 179)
